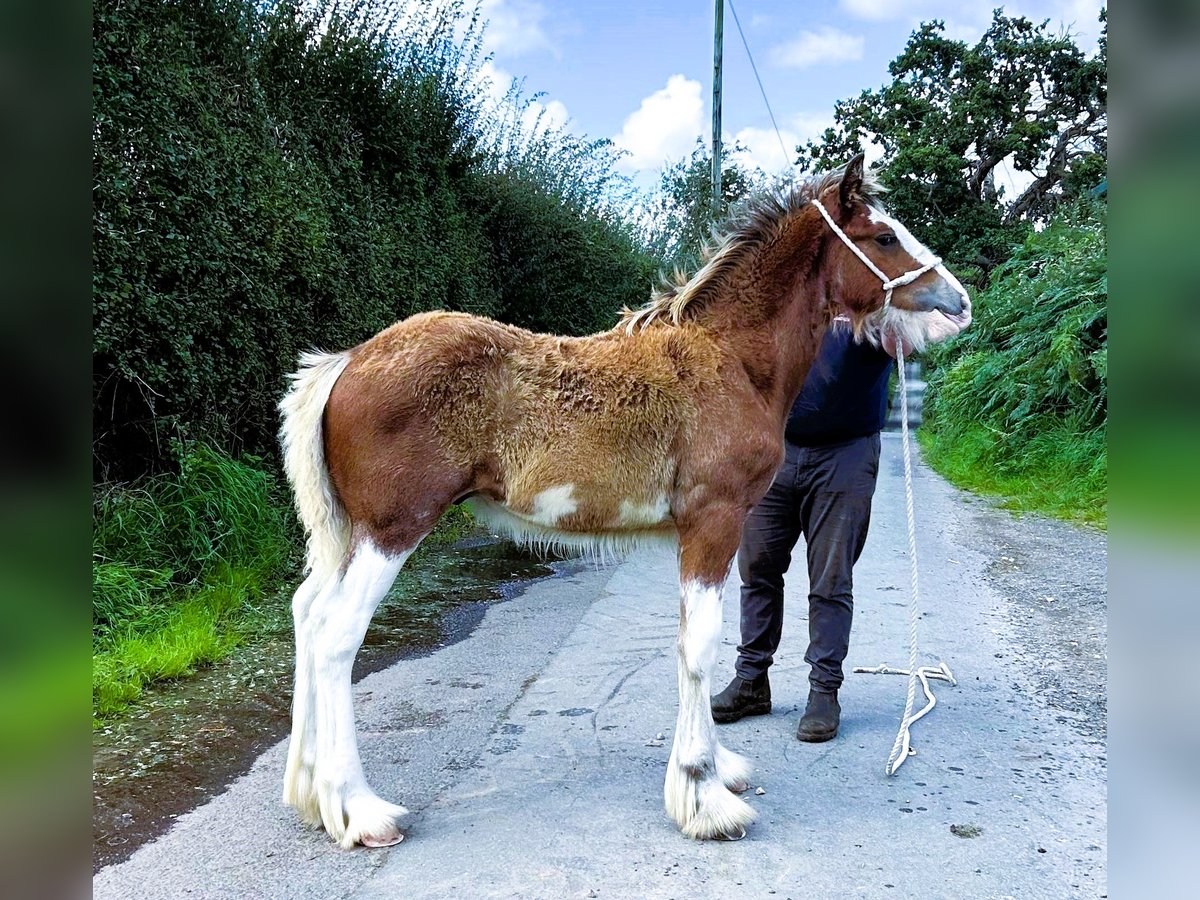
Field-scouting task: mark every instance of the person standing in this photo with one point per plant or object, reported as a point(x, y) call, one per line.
point(823, 491)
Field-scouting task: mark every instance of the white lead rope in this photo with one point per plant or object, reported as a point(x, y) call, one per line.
point(902, 749)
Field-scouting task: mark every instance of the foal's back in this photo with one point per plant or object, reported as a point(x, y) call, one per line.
point(576, 435)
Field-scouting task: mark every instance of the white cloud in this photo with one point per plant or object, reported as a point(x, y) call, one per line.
point(546, 116)
point(664, 127)
point(496, 81)
point(968, 21)
point(536, 115)
point(762, 144)
point(875, 10)
point(515, 27)
point(826, 45)
point(1082, 17)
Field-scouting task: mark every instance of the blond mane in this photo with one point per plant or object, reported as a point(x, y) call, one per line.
point(752, 225)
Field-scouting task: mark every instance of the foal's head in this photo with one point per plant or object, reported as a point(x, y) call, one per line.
point(904, 289)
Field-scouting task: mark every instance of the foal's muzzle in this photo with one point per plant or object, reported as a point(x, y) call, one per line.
point(939, 295)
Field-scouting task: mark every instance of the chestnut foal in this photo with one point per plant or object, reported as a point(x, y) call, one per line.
point(668, 427)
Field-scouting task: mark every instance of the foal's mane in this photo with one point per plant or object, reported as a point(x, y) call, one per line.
point(752, 225)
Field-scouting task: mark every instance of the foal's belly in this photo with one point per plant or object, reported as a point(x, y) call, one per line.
point(579, 516)
point(588, 507)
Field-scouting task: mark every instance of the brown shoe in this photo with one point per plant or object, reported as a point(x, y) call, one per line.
point(742, 698)
point(821, 718)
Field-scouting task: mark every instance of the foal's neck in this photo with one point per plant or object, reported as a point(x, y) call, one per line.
point(777, 313)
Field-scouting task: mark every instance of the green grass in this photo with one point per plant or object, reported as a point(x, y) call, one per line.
point(187, 566)
point(1017, 405)
point(176, 560)
point(201, 627)
point(1063, 474)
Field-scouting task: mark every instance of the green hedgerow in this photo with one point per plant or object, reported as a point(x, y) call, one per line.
point(1018, 404)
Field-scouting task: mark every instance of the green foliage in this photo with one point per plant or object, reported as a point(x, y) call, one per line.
point(153, 541)
point(182, 564)
point(200, 628)
point(952, 113)
point(1018, 404)
point(276, 176)
point(682, 209)
point(175, 558)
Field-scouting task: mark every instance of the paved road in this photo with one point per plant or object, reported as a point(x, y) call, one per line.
point(527, 751)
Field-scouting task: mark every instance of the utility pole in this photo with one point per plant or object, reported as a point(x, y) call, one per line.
point(719, 27)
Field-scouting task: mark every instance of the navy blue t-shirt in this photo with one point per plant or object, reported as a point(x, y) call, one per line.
point(845, 393)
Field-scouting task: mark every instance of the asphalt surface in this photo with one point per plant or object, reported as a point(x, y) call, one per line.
point(532, 753)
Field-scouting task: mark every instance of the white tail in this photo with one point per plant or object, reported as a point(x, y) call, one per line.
point(303, 439)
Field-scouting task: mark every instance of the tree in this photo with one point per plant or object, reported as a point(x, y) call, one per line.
point(681, 212)
point(954, 112)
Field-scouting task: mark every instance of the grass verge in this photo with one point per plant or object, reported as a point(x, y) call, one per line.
point(176, 560)
point(1017, 405)
point(1063, 474)
point(187, 566)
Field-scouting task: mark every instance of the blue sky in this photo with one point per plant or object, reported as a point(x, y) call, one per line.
point(641, 72)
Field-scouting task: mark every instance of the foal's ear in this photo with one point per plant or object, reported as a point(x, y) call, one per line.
point(851, 182)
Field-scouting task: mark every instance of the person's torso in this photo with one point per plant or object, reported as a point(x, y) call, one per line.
point(845, 393)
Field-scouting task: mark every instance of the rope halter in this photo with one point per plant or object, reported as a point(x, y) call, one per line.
point(889, 284)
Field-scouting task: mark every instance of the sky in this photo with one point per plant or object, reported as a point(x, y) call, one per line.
point(640, 73)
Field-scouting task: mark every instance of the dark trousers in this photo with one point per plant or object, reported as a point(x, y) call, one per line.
point(823, 493)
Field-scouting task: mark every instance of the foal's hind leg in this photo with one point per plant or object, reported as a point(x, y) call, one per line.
point(350, 811)
point(298, 788)
point(701, 771)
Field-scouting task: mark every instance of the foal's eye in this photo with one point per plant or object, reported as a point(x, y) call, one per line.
point(886, 240)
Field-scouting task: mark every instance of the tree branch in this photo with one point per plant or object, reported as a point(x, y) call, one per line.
point(979, 176)
point(1056, 167)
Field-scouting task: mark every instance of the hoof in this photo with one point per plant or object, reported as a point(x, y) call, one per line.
point(390, 840)
point(702, 806)
point(372, 822)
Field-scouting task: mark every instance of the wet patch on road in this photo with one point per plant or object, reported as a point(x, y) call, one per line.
point(182, 743)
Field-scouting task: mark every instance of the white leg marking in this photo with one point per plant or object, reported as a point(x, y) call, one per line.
point(298, 788)
point(700, 769)
point(349, 809)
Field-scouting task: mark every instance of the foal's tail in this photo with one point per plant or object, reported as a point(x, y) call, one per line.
point(303, 439)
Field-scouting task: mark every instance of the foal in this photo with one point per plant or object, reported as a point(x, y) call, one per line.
point(668, 427)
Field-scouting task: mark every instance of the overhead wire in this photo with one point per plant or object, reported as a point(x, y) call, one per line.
point(761, 89)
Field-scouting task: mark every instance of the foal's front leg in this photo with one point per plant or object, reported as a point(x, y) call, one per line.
point(701, 772)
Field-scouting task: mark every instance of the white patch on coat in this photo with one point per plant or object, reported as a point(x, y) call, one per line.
point(635, 512)
point(917, 329)
point(910, 244)
point(554, 504)
point(599, 548)
point(918, 251)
